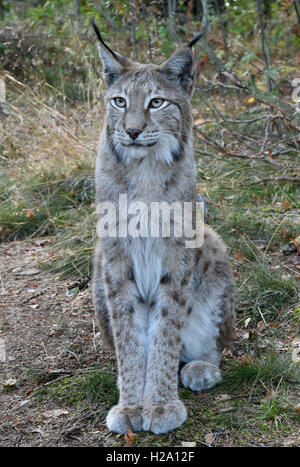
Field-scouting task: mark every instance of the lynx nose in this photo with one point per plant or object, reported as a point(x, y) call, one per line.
point(133, 132)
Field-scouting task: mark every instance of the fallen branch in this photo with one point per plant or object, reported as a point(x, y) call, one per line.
point(225, 152)
point(288, 178)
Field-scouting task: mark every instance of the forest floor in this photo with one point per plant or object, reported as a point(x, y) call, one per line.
point(58, 381)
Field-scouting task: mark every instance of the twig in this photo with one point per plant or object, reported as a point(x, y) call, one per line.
point(209, 140)
point(67, 373)
point(275, 179)
point(38, 294)
point(246, 121)
point(266, 135)
point(225, 152)
point(262, 316)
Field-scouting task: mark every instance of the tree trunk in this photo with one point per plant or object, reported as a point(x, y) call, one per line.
point(264, 45)
point(171, 14)
point(77, 11)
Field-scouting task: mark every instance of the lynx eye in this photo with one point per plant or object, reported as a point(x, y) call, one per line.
point(120, 101)
point(156, 102)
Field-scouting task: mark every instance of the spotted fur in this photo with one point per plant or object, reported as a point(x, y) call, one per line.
point(157, 303)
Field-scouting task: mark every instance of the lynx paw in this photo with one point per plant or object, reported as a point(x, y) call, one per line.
point(163, 418)
point(200, 375)
point(120, 418)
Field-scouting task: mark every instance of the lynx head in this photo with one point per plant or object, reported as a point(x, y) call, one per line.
point(148, 106)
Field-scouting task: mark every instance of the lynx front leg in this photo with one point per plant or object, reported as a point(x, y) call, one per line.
point(130, 351)
point(163, 411)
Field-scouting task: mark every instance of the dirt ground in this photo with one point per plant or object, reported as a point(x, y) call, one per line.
point(48, 337)
point(42, 331)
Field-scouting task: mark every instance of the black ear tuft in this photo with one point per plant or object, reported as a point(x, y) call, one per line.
point(100, 39)
point(196, 39)
point(114, 63)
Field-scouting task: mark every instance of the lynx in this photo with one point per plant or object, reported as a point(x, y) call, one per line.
point(165, 309)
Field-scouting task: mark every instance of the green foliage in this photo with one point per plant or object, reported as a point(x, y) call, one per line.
point(248, 57)
point(267, 371)
point(95, 390)
point(99, 386)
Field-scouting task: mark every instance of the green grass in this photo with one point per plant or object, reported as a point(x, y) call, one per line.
point(264, 370)
point(93, 390)
point(254, 399)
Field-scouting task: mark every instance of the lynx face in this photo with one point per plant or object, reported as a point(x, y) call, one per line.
point(148, 106)
point(143, 118)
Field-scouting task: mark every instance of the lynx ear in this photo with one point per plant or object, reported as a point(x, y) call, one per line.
point(114, 63)
point(180, 67)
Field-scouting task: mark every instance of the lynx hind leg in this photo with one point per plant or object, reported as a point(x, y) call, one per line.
point(207, 331)
point(210, 319)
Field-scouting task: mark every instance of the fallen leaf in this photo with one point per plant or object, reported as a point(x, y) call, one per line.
point(246, 336)
point(296, 342)
point(226, 409)
point(38, 430)
point(291, 442)
point(246, 359)
point(286, 204)
point(261, 325)
point(251, 100)
point(188, 444)
point(296, 241)
point(296, 355)
point(239, 256)
point(72, 292)
point(2, 351)
point(227, 352)
point(27, 272)
point(209, 438)
point(10, 382)
point(222, 397)
point(247, 321)
point(269, 396)
point(30, 213)
point(199, 121)
point(129, 438)
point(24, 402)
point(55, 413)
